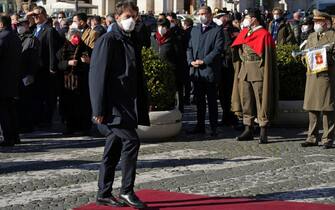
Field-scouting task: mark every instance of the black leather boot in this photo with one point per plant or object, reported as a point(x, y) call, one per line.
point(263, 137)
point(247, 135)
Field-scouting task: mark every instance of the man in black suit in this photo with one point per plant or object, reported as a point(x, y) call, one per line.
point(203, 55)
point(118, 100)
point(181, 63)
point(46, 77)
point(10, 59)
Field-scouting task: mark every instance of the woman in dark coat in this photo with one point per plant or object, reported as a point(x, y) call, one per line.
point(166, 46)
point(74, 63)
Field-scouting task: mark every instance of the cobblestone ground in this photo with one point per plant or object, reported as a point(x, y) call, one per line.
point(61, 173)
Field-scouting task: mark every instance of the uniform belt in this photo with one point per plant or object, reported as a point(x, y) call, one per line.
point(252, 58)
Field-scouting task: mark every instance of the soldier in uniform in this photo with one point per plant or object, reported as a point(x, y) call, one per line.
point(320, 84)
point(256, 78)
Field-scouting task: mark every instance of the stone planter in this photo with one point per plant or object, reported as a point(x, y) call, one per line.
point(164, 124)
point(291, 114)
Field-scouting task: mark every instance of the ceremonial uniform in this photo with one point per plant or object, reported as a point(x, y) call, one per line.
point(320, 86)
point(255, 82)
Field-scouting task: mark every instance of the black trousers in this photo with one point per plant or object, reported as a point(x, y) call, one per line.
point(45, 97)
point(201, 90)
point(26, 108)
point(8, 120)
point(121, 144)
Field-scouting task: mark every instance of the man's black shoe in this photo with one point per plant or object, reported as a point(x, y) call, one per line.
point(328, 145)
point(132, 200)
point(111, 201)
point(247, 134)
point(263, 138)
point(6, 144)
point(197, 130)
point(214, 133)
point(309, 144)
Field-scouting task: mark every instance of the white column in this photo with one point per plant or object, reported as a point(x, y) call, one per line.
point(145, 5)
point(159, 6)
point(175, 5)
point(214, 4)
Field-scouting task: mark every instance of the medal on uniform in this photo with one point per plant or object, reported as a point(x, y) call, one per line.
point(317, 61)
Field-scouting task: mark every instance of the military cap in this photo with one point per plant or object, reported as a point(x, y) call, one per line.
point(219, 13)
point(318, 15)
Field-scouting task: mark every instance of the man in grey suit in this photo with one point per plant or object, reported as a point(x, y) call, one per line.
point(203, 55)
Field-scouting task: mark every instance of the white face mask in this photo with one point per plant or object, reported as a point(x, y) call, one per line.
point(246, 23)
point(276, 17)
point(21, 30)
point(318, 28)
point(203, 19)
point(162, 30)
point(304, 28)
point(172, 25)
point(128, 25)
point(74, 26)
point(217, 21)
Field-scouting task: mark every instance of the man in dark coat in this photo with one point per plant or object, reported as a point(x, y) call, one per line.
point(118, 100)
point(29, 65)
point(227, 79)
point(10, 59)
point(187, 25)
point(46, 77)
point(280, 30)
point(96, 25)
point(181, 60)
point(203, 54)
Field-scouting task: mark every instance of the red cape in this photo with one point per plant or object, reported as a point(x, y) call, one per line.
point(256, 41)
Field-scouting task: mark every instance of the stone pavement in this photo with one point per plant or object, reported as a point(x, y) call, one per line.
point(53, 172)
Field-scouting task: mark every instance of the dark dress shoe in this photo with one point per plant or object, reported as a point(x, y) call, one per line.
point(132, 200)
point(309, 144)
point(247, 134)
point(328, 145)
point(111, 201)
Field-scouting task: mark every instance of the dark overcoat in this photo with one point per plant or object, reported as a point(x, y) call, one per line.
point(117, 86)
point(206, 46)
point(10, 59)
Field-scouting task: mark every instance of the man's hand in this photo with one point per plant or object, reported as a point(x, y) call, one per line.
point(31, 13)
point(200, 62)
point(194, 64)
point(85, 59)
point(72, 62)
point(98, 119)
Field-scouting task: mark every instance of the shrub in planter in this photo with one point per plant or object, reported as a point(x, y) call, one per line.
point(292, 73)
point(160, 81)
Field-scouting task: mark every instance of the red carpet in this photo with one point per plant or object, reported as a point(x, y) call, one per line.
point(158, 200)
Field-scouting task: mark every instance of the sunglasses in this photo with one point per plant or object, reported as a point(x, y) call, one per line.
point(36, 15)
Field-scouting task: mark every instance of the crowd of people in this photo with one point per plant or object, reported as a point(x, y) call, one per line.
point(52, 58)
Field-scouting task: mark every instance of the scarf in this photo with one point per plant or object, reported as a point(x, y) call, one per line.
point(162, 39)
